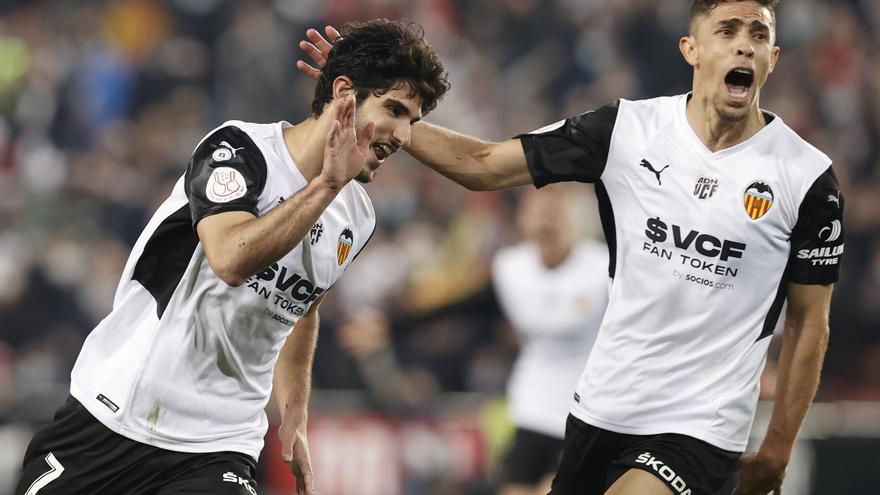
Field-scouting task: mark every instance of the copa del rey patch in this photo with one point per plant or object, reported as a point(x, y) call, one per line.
point(225, 184)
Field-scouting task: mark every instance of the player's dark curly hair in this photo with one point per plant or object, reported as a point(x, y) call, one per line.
point(379, 56)
point(700, 8)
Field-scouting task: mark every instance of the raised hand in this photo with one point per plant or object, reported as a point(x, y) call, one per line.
point(345, 153)
point(318, 48)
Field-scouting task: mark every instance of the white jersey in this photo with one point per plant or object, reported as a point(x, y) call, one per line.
point(556, 313)
point(702, 246)
point(184, 361)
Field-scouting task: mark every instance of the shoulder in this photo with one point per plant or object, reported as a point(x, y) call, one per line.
point(649, 113)
point(230, 140)
point(799, 149)
point(804, 163)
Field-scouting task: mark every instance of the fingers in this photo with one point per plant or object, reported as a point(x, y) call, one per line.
point(345, 112)
point(308, 69)
point(308, 481)
point(333, 135)
point(302, 470)
point(332, 33)
point(311, 50)
point(319, 41)
point(366, 136)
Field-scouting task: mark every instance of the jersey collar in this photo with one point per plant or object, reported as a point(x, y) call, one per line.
point(684, 126)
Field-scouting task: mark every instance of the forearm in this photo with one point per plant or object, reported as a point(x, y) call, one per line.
point(474, 163)
point(292, 381)
point(800, 365)
point(251, 245)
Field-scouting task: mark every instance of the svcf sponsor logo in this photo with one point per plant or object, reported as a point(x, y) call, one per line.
point(230, 477)
point(704, 244)
point(757, 199)
point(665, 472)
point(343, 247)
point(647, 165)
point(705, 187)
point(831, 233)
point(301, 289)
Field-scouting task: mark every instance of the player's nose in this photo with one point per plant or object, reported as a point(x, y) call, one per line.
point(401, 134)
point(745, 48)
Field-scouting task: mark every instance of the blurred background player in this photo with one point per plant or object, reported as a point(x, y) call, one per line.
point(552, 288)
point(218, 304)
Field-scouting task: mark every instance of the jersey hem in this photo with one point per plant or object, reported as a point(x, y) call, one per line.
point(659, 428)
point(116, 427)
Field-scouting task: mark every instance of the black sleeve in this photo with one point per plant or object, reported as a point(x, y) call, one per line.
point(817, 238)
point(575, 149)
point(227, 172)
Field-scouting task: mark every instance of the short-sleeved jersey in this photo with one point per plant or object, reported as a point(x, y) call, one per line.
point(556, 313)
point(184, 361)
point(702, 245)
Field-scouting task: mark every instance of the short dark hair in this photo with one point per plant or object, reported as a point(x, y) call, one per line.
point(381, 55)
point(701, 8)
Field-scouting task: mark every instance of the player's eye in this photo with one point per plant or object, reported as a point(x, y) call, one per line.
point(725, 31)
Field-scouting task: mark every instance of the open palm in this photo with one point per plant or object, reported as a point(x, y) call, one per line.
point(344, 151)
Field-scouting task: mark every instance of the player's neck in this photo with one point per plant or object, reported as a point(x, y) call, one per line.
point(716, 132)
point(305, 143)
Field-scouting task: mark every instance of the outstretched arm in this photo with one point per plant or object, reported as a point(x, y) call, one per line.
point(804, 341)
point(475, 164)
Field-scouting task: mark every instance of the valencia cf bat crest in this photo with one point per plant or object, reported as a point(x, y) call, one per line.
point(757, 199)
point(343, 247)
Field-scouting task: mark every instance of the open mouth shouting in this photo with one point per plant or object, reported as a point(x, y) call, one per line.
point(382, 151)
point(739, 82)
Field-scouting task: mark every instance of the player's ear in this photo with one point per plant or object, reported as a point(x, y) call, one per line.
point(688, 47)
point(342, 86)
point(774, 57)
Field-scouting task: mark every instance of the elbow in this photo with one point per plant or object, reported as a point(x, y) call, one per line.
point(231, 279)
point(228, 273)
point(477, 186)
point(484, 181)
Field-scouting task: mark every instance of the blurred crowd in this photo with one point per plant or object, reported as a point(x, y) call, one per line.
point(102, 102)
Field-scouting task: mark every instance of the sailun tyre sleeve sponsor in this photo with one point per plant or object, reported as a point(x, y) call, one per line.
point(227, 173)
point(817, 238)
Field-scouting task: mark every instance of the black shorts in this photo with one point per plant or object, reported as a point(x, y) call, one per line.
point(595, 458)
point(531, 457)
point(77, 454)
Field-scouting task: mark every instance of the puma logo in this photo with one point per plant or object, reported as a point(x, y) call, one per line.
point(647, 165)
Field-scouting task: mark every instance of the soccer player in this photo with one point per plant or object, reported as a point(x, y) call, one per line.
point(715, 213)
point(169, 390)
point(553, 289)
